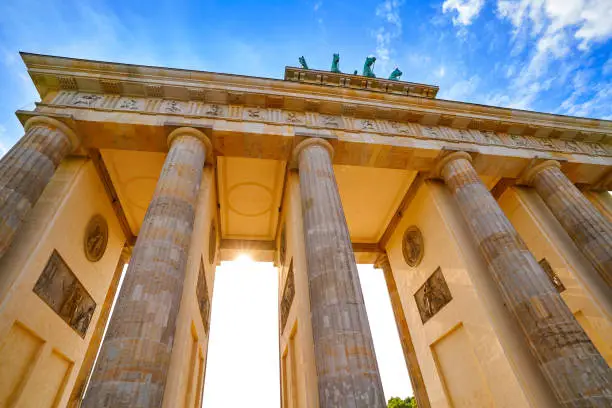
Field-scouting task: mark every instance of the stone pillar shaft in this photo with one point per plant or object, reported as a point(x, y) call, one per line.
point(412, 363)
point(347, 370)
point(576, 372)
point(26, 170)
point(587, 227)
point(133, 364)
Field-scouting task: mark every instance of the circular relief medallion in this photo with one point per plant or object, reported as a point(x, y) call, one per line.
point(96, 238)
point(212, 243)
point(412, 246)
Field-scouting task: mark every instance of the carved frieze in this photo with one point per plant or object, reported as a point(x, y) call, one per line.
point(288, 295)
point(96, 238)
point(59, 288)
point(432, 296)
point(552, 276)
point(202, 296)
point(408, 127)
point(413, 246)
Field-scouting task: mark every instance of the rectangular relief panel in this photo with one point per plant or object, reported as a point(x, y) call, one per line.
point(18, 351)
point(48, 383)
point(432, 296)
point(288, 295)
point(59, 288)
point(202, 296)
point(460, 371)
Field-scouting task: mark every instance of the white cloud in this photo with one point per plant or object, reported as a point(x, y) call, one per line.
point(317, 6)
point(461, 90)
point(390, 30)
point(440, 72)
point(467, 10)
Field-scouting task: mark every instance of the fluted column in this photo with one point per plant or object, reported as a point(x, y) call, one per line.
point(576, 372)
point(133, 364)
point(26, 170)
point(414, 370)
point(587, 227)
point(347, 371)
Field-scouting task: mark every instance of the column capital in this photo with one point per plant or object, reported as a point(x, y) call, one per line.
point(54, 124)
point(382, 261)
point(447, 158)
point(528, 175)
point(189, 131)
point(312, 141)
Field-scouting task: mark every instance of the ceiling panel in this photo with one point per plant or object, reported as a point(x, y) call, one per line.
point(249, 194)
point(370, 197)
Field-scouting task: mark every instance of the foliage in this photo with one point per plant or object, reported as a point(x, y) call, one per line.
point(396, 402)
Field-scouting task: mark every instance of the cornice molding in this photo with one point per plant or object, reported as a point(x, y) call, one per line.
point(53, 74)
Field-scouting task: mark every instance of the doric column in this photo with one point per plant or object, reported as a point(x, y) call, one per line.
point(588, 228)
point(576, 372)
point(133, 364)
point(78, 390)
point(347, 371)
point(414, 370)
point(26, 170)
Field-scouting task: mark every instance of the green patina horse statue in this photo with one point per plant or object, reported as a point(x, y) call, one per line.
point(303, 62)
point(335, 62)
point(367, 67)
point(395, 75)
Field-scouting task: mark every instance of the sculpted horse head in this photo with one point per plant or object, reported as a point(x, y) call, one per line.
point(395, 75)
point(367, 67)
point(335, 63)
point(303, 62)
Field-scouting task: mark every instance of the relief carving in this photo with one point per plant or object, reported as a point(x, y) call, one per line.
point(413, 246)
point(293, 117)
point(552, 276)
point(202, 296)
point(96, 238)
point(87, 100)
point(173, 107)
point(337, 121)
point(288, 295)
point(59, 288)
point(131, 104)
point(282, 246)
point(432, 296)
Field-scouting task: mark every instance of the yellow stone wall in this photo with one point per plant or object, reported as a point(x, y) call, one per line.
point(188, 361)
point(545, 237)
point(40, 354)
point(298, 371)
point(469, 352)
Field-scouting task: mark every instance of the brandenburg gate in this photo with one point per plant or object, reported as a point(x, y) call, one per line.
point(492, 226)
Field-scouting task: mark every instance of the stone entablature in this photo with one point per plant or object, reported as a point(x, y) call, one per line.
point(53, 74)
point(348, 80)
point(156, 106)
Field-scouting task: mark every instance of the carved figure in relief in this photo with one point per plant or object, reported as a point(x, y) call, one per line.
point(432, 296)
point(96, 238)
point(396, 74)
point(253, 113)
point(292, 117)
point(173, 107)
point(330, 121)
point(129, 104)
point(303, 62)
point(335, 63)
point(368, 67)
point(367, 124)
point(213, 110)
point(87, 100)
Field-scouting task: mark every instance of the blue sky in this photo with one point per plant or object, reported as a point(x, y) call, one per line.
point(546, 55)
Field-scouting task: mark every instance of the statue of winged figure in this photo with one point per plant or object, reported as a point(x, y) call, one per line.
point(367, 67)
point(303, 62)
point(335, 63)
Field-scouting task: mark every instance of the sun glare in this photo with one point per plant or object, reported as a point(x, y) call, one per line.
point(243, 258)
